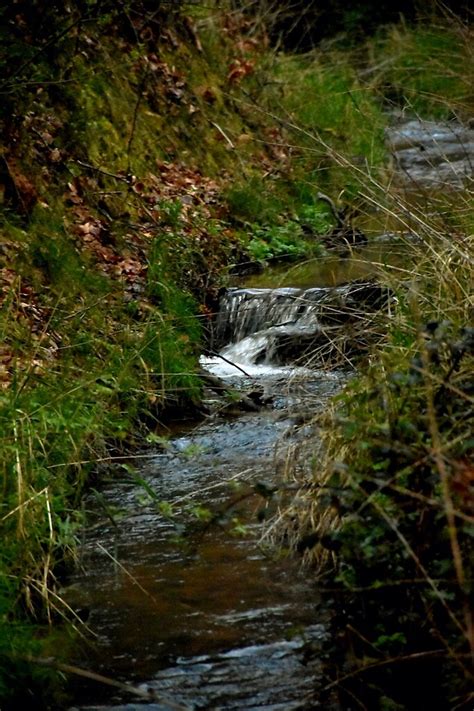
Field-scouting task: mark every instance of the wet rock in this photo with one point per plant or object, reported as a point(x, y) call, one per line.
point(248, 311)
point(279, 676)
point(429, 153)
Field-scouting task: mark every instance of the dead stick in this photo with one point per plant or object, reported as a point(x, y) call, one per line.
point(218, 355)
point(148, 694)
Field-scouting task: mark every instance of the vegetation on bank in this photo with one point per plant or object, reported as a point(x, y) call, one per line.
point(385, 511)
point(121, 145)
point(386, 508)
point(143, 156)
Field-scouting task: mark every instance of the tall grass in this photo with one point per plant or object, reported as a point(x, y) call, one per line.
point(427, 71)
point(65, 409)
point(384, 510)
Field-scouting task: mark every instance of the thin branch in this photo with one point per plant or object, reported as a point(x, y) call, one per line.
point(148, 694)
point(141, 88)
point(448, 501)
point(123, 178)
point(388, 520)
point(386, 663)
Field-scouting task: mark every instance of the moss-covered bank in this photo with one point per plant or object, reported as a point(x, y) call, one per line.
point(113, 243)
point(145, 151)
point(121, 139)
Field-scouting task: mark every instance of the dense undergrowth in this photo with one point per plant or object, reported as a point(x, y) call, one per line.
point(143, 156)
point(385, 511)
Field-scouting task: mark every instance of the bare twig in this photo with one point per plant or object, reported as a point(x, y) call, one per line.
point(147, 694)
point(141, 89)
point(123, 178)
point(386, 663)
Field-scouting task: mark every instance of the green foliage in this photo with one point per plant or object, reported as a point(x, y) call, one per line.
point(88, 353)
point(89, 356)
point(337, 121)
point(315, 218)
point(271, 236)
point(256, 200)
point(278, 241)
point(404, 540)
point(88, 366)
point(54, 426)
point(24, 682)
point(423, 75)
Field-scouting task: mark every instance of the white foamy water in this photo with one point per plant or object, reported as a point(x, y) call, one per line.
point(223, 369)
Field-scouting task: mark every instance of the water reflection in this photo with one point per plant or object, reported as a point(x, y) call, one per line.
point(332, 270)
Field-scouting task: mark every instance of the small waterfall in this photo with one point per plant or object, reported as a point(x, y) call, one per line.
point(264, 328)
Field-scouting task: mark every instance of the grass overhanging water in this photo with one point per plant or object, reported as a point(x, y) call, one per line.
point(102, 300)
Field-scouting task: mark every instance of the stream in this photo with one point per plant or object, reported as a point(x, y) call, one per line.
point(203, 616)
point(214, 620)
point(197, 614)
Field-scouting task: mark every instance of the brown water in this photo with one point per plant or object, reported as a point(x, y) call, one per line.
point(332, 270)
point(212, 621)
point(202, 615)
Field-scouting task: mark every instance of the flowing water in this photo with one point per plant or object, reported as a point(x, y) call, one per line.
point(200, 616)
point(207, 619)
point(432, 154)
point(212, 620)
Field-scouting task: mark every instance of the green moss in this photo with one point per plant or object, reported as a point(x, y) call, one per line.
point(256, 200)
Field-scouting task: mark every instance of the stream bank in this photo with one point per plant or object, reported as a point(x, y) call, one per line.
point(185, 603)
point(135, 166)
